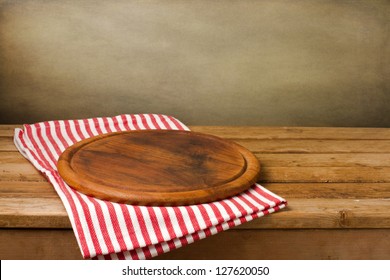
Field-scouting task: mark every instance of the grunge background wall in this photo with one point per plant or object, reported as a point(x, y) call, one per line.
point(272, 62)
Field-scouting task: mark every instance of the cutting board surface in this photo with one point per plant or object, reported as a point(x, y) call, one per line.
point(158, 167)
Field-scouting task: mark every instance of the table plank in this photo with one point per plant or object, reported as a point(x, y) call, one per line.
point(8, 129)
point(325, 160)
point(48, 212)
point(269, 132)
point(325, 174)
point(330, 190)
point(266, 132)
point(33, 212)
point(270, 160)
point(24, 172)
point(289, 245)
point(7, 144)
point(276, 133)
point(38, 244)
point(257, 244)
point(16, 168)
point(328, 213)
point(20, 189)
point(299, 146)
point(285, 145)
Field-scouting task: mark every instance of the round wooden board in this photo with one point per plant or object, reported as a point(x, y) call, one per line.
point(158, 167)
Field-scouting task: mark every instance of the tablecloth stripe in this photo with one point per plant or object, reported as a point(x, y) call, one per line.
point(106, 230)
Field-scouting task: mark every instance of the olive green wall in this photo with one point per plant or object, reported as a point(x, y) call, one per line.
point(276, 62)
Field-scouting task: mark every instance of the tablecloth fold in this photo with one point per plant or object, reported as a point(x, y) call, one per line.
point(106, 230)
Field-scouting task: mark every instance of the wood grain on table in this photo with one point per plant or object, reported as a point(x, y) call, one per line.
point(336, 181)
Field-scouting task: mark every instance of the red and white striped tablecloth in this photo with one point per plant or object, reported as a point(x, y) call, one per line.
point(106, 230)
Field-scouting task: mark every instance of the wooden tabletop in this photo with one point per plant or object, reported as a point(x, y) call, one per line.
point(333, 178)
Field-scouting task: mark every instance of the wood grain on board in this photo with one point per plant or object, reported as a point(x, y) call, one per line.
point(158, 167)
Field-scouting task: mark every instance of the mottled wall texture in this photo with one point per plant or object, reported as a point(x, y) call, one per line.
point(270, 62)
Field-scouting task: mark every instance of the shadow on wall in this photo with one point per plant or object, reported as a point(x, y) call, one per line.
point(224, 62)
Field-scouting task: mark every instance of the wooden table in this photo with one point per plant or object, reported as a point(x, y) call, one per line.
point(337, 182)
